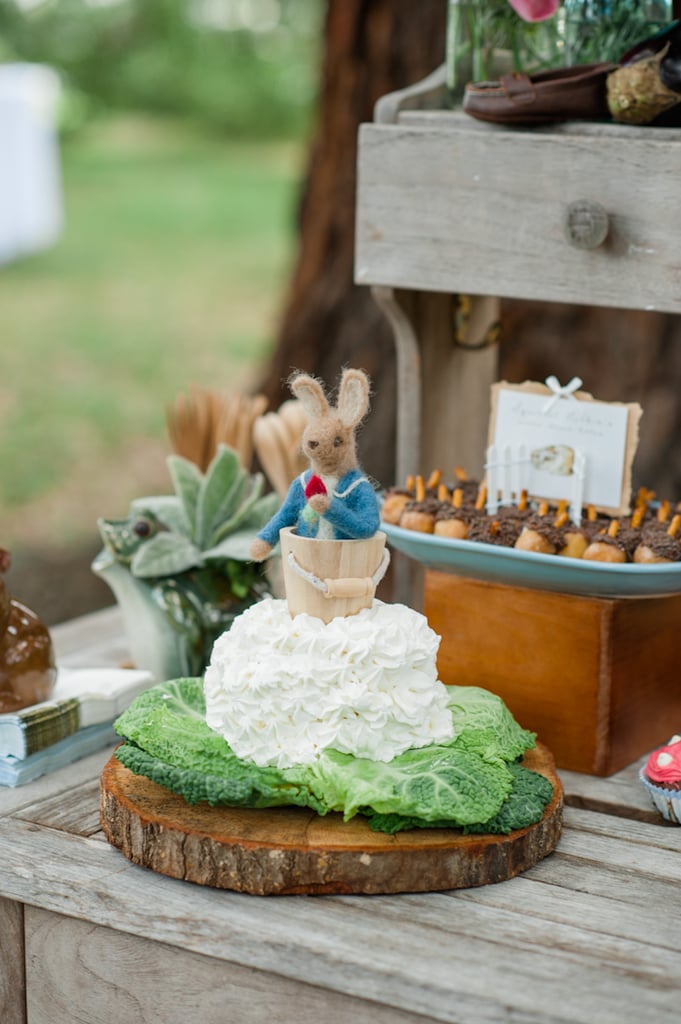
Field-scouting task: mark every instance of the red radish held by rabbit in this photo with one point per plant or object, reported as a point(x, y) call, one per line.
point(333, 499)
point(315, 485)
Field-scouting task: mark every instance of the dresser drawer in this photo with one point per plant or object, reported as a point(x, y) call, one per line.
point(443, 206)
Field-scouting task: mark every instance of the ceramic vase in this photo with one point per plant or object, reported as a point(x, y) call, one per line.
point(172, 622)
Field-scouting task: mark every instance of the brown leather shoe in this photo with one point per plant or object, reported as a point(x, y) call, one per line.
point(564, 94)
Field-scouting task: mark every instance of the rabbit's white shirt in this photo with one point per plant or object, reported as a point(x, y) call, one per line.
point(325, 531)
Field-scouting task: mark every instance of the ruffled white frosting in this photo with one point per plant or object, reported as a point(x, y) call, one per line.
point(281, 689)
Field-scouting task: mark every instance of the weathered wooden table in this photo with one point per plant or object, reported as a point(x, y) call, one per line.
point(592, 934)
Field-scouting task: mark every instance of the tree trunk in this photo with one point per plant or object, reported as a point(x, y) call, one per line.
point(371, 47)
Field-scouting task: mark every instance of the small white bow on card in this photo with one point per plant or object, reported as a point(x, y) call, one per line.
point(560, 391)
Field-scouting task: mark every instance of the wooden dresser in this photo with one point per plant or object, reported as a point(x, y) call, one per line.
point(447, 205)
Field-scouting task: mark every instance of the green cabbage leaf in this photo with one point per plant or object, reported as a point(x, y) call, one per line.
point(484, 725)
point(523, 806)
point(472, 782)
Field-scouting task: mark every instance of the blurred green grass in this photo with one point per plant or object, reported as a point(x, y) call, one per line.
point(170, 271)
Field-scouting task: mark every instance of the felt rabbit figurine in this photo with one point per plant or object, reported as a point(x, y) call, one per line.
point(332, 500)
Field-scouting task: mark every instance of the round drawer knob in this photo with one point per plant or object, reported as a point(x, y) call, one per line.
point(586, 224)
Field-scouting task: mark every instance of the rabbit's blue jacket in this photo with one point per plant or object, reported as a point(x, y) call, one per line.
point(353, 511)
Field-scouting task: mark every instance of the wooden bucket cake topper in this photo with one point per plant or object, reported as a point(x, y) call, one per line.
point(328, 578)
point(333, 553)
point(559, 443)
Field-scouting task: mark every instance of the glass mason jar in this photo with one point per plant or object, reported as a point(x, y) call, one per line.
point(486, 39)
point(605, 29)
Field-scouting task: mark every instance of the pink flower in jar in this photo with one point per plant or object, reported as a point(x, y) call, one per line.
point(535, 10)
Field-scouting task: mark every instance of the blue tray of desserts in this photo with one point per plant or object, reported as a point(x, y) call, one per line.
point(529, 569)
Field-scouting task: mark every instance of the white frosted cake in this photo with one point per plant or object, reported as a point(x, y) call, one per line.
point(283, 689)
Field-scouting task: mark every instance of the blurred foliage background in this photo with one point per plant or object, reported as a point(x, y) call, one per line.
point(184, 126)
point(247, 67)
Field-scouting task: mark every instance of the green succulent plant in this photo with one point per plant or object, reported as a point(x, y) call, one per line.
point(180, 566)
point(212, 518)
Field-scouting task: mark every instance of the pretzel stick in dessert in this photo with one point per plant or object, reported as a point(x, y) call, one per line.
point(448, 522)
point(419, 489)
point(637, 517)
point(419, 515)
point(644, 496)
point(575, 539)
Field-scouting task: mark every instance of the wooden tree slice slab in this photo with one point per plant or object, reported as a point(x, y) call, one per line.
point(286, 850)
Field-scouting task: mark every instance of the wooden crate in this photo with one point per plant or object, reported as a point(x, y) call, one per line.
point(598, 679)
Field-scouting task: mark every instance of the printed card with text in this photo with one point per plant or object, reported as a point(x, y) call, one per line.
point(559, 442)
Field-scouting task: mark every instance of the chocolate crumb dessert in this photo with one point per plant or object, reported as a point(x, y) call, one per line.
point(501, 532)
point(657, 545)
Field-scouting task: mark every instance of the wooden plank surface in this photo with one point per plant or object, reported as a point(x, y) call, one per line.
point(12, 976)
point(604, 955)
point(74, 809)
point(620, 794)
point(113, 977)
point(434, 116)
point(444, 206)
point(589, 934)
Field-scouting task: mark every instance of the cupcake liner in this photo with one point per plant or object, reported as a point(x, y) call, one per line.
point(667, 801)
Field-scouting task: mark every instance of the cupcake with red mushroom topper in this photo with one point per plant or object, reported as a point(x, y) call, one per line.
point(661, 776)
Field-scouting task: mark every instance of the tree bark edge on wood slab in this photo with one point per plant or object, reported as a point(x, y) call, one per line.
point(291, 850)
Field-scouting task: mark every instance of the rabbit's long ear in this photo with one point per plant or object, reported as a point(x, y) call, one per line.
point(353, 397)
point(311, 395)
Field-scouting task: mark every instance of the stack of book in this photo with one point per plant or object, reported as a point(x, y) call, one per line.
point(76, 721)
